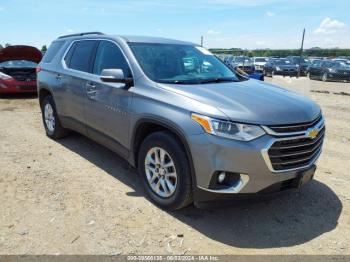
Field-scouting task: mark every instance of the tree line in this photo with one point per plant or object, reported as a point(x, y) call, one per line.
point(315, 52)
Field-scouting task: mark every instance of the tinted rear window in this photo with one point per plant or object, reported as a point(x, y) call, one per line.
point(52, 51)
point(81, 57)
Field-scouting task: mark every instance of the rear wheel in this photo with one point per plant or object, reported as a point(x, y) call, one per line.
point(165, 171)
point(51, 122)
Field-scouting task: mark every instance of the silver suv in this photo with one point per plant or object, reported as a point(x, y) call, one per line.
point(195, 129)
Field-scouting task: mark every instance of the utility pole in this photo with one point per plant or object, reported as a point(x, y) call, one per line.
point(201, 40)
point(301, 52)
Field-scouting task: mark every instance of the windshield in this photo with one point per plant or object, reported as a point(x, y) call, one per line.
point(18, 63)
point(260, 59)
point(241, 59)
point(339, 64)
point(180, 64)
point(281, 62)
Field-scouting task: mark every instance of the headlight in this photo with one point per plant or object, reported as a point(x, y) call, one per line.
point(332, 70)
point(237, 131)
point(278, 68)
point(4, 76)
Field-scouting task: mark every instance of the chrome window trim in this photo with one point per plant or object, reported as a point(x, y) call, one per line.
point(65, 67)
point(304, 134)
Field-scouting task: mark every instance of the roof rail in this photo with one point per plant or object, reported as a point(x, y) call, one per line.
point(81, 34)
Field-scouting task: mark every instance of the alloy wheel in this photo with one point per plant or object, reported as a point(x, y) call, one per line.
point(49, 118)
point(160, 172)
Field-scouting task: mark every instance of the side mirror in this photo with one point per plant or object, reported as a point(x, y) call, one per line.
point(115, 76)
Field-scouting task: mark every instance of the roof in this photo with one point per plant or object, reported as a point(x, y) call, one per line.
point(156, 40)
point(127, 38)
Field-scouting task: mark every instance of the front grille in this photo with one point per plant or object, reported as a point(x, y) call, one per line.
point(24, 77)
point(295, 128)
point(295, 152)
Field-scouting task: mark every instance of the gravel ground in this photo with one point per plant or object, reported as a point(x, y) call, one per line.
point(76, 197)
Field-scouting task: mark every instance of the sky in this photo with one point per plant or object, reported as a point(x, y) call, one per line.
point(247, 24)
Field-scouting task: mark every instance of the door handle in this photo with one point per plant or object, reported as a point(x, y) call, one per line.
point(91, 90)
point(90, 87)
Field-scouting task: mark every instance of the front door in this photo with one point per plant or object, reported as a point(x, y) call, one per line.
point(107, 106)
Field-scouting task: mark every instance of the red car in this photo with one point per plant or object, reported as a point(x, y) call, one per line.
point(17, 69)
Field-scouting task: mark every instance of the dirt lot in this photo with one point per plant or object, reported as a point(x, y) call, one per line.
point(76, 197)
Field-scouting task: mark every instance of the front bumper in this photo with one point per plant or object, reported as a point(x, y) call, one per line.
point(338, 77)
point(213, 154)
point(13, 86)
point(286, 73)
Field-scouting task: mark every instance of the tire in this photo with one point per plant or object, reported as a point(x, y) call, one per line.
point(179, 193)
point(51, 123)
point(324, 77)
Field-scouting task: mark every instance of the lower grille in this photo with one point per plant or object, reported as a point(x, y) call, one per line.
point(295, 152)
point(26, 87)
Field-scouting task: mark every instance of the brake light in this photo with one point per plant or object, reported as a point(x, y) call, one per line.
point(38, 69)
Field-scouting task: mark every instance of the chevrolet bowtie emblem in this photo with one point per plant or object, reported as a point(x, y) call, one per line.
point(312, 133)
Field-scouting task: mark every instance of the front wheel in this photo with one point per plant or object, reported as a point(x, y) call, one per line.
point(165, 172)
point(324, 77)
point(51, 122)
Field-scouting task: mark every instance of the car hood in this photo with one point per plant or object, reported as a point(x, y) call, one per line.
point(20, 52)
point(252, 101)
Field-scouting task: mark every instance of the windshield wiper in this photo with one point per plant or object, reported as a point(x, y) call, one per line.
point(217, 80)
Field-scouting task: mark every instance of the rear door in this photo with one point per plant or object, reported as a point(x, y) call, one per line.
point(78, 66)
point(107, 106)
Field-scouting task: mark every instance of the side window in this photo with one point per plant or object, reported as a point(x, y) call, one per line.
point(109, 56)
point(68, 56)
point(82, 54)
point(52, 51)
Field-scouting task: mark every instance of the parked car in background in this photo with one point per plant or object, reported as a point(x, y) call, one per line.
point(259, 63)
point(329, 70)
point(280, 66)
point(313, 62)
point(195, 130)
point(299, 61)
point(244, 63)
point(17, 69)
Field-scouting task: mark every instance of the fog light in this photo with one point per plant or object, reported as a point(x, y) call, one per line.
point(221, 177)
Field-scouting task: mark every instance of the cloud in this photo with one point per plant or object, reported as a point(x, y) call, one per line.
point(329, 26)
point(70, 31)
point(269, 13)
point(213, 32)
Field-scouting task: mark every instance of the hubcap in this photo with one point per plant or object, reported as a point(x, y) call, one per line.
point(324, 78)
point(49, 118)
point(160, 172)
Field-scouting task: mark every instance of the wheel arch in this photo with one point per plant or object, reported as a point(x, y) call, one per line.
point(147, 126)
point(43, 92)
